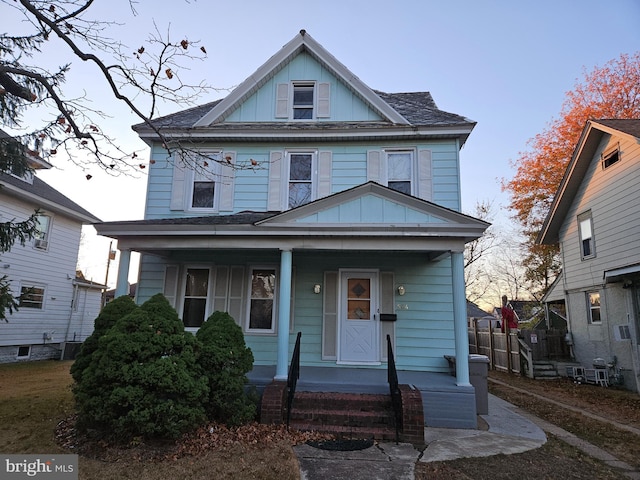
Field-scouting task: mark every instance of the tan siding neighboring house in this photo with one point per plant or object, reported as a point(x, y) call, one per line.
point(595, 218)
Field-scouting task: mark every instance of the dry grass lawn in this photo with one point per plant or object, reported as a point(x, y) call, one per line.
point(36, 396)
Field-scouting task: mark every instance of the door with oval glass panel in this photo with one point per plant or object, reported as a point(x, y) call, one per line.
point(359, 341)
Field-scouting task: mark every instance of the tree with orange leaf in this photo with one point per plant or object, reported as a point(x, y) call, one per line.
point(610, 91)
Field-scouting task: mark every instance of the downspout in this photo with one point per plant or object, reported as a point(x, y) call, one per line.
point(73, 299)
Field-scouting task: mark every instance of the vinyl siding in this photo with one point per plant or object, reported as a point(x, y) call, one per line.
point(54, 269)
point(612, 196)
point(424, 329)
point(89, 303)
point(348, 169)
point(261, 105)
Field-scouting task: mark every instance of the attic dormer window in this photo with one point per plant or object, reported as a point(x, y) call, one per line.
point(303, 101)
point(610, 158)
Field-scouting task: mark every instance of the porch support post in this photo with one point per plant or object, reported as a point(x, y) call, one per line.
point(284, 313)
point(122, 284)
point(460, 319)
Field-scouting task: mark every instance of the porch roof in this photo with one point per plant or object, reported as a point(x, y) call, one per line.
point(401, 223)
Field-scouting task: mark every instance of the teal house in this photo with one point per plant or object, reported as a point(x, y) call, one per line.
point(305, 201)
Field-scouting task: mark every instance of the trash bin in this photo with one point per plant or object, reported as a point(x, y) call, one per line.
point(478, 371)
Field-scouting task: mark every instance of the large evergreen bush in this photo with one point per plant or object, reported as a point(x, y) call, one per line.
point(225, 359)
point(110, 314)
point(143, 379)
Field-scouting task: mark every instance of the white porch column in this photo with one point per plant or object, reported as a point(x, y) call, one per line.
point(284, 313)
point(122, 284)
point(460, 319)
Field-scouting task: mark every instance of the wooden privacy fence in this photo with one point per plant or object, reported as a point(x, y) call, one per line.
point(507, 353)
point(502, 350)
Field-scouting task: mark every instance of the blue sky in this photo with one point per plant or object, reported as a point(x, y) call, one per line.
point(504, 64)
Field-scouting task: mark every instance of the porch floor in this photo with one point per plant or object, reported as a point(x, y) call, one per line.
point(354, 380)
point(445, 404)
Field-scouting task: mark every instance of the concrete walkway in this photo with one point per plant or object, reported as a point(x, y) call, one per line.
point(510, 430)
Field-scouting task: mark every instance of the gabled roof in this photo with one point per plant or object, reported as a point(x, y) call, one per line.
point(394, 211)
point(401, 112)
point(302, 42)
point(44, 196)
point(582, 156)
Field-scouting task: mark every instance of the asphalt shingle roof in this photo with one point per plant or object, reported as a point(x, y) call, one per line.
point(46, 192)
point(241, 218)
point(417, 107)
point(629, 126)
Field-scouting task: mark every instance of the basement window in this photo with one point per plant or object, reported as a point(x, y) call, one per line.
point(24, 352)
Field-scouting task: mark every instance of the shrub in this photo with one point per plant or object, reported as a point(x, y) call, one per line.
point(143, 379)
point(110, 314)
point(225, 359)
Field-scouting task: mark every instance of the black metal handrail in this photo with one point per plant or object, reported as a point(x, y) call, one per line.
point(293, 376)
point(394, 389)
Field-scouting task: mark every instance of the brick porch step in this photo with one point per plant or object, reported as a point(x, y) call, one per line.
point(348, 415)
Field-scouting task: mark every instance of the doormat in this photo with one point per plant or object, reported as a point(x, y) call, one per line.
point(341, 445)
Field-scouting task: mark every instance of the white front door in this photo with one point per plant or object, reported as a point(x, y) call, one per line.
point(359, 320)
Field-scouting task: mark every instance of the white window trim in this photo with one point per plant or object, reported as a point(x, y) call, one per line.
point(182, 294)
point(23, 357)
point(581, 218)
point(274, 315)
point(314, 105)
point(590, 309)
point(384, 174)
point(216, 172)
point(42, 244)
point(33, 285)
point(608, 154)
point(287, 176)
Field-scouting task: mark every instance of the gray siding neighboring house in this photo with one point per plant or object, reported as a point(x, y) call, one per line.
point(595, 218)
point(57, 305)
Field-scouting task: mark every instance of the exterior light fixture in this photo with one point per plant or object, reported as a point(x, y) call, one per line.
point(316, 288)
point(401, 290)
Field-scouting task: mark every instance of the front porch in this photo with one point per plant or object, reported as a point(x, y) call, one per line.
point(444, 403)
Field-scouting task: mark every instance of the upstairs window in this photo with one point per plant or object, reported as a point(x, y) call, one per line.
point(303, 101)
point(300, 178)
point(41, 237)
point(400, 171)
point(611, 157)
point(593, 303)
point(204, 193)
point(585, 228)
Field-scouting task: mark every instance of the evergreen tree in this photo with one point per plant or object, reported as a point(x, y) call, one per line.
point(143, 379)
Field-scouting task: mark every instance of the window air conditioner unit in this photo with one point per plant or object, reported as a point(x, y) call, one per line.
point(41, 244)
